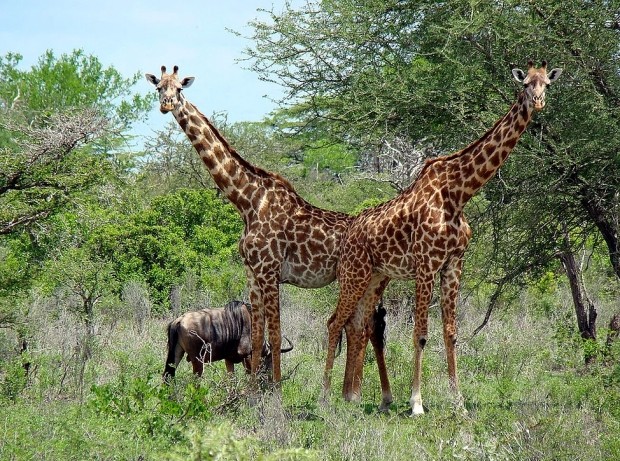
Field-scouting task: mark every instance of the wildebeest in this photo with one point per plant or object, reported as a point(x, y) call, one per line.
point(209, 335)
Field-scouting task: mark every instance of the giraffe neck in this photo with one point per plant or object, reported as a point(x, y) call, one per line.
point(232, 174)
point(475, 165)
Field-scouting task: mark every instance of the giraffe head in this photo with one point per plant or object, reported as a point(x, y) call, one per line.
point(536, 82)
point(169, 88)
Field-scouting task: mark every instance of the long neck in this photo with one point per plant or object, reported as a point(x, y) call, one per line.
point(232, 173)
point(474, 166)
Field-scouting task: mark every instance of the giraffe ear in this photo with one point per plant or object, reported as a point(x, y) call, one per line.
point(187, 82)
point(151, 78)
point(554, 74)
point(518, 74)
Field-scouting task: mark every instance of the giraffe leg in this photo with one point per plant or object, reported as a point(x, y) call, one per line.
point(424, 291)
point(366, 330)
point(333, 332)
point(271, 299)
point(450, 281)
point(377, 339)
point(376, 334)
point(353, 278)
point(258, 322)
point(356, 342)
point(266, 289)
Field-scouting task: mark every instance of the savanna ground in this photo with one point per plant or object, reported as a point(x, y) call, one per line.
point(526, 388)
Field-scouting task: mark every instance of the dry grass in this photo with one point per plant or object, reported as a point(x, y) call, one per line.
point(528, 393)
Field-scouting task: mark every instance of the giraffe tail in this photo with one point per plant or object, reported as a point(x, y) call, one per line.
point(339, 344)
point(378, 327)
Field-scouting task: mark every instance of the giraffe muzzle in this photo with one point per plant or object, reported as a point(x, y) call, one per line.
point(539, 103)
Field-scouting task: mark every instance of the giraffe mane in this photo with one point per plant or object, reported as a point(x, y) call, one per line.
point(483, 139)
point(243, 162)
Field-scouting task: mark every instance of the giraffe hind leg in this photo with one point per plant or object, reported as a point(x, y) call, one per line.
point(334, 328)
point(354, 276)
point(356, 342)
point(450, 281)
point(373, 329)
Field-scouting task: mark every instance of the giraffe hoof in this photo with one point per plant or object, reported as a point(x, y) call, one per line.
point(385, 405)
point(417, 410)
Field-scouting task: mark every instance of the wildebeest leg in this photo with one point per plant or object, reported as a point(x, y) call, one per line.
point(197, 366)
point(230, 367)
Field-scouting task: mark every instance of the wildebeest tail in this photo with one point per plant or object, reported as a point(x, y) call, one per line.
point(173, 339)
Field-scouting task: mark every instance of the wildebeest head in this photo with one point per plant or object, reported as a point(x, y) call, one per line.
point(267, 357)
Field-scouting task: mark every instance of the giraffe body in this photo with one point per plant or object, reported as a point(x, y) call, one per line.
point(285, 239)
point(421, 233)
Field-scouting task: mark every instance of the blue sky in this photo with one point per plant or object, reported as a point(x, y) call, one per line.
point(141, 36)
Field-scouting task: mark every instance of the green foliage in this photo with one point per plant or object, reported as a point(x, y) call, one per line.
point(221, 444)
point(187, 231)
point(14, 380)
point(14, 266)
point(527, 394)
point(337, 157)
point(56, 149)
point(438, 73)
point(368, 203)
point(73, 80)
point(155, 409)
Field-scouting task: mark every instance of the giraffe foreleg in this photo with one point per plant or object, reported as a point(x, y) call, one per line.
point(258, 323)
point(268, 292)
point(450, 281)
point(424, 290)
point(271, 298)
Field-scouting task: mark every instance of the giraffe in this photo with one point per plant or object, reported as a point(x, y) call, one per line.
point(420, 233)
point(285, 238)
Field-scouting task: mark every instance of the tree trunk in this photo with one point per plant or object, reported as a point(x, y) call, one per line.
point(607, 227)
point(614, 332)
point(584, 308)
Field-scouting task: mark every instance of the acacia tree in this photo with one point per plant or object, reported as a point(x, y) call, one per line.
point(440, 72)
point(62, 124)
point(43, 166)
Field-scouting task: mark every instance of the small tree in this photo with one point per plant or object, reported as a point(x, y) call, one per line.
point(84, 283)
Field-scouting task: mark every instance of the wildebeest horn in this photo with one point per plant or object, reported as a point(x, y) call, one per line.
point(283, 350)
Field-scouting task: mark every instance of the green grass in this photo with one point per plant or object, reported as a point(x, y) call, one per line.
point(527, 392)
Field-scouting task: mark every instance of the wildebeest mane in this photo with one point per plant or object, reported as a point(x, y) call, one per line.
point(234, 321)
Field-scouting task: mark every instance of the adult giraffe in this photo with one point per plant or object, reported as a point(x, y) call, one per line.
point(422, 232)
point(285, 239)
